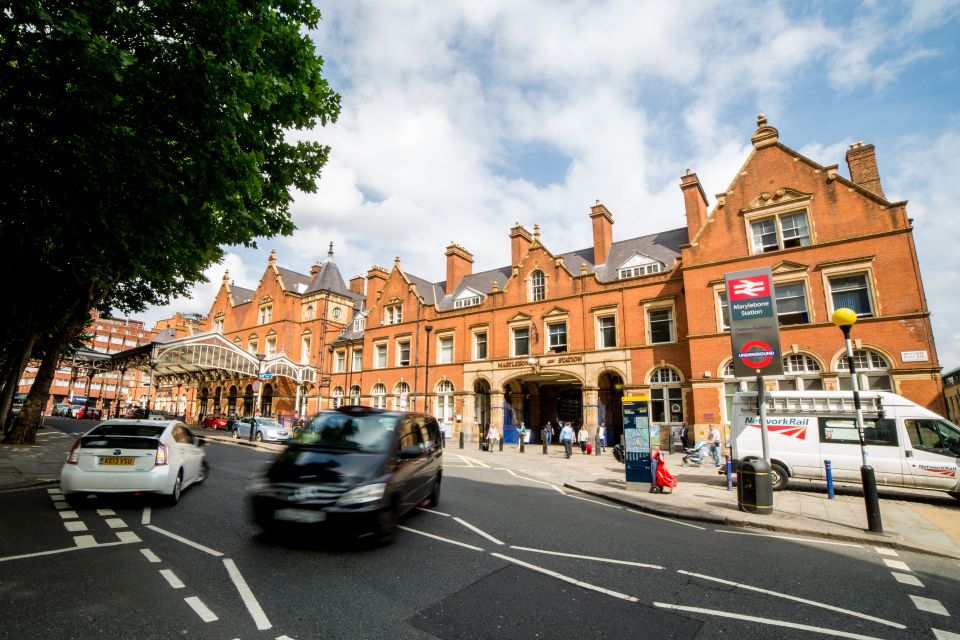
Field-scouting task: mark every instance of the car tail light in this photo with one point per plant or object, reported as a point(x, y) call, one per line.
point(74, 456)
point(161, 454)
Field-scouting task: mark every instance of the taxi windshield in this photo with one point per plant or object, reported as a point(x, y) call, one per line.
point(361, 433)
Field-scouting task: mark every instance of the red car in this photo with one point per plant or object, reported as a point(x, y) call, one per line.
point(214, 422)
point(90, 413)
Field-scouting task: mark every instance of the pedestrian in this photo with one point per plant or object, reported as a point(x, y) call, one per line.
point(583, 437)
point(602, 437)
point(521, 435)
point(566, 438)
point(492, 437)
point(713, 439)
point(548, 433)
point(684, 437)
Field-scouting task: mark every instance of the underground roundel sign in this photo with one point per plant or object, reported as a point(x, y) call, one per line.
point(757, 354)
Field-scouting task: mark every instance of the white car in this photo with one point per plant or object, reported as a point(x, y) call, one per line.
point(125, 456)
point(266, 429)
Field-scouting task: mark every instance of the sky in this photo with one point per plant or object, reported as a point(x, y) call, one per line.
point(461, 119)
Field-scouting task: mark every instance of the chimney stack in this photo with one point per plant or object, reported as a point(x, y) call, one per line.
point(602, 232)
point(694, 201)
point(376, 279)
point(862, 161)
point(520, 241)
point(356, 284)
point(459, 265)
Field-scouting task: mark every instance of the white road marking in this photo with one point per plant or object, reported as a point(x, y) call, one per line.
point(172, 578)
point(776, 623)
point(479, 531)
point(549, 484)
point(145, 520)
point(68, 515)
point(896, 564)
point(573, 555)
point(560, 576)
point(792, 538)
point(150, 555)
point(929, 605)
point(127, 536)
point(53, 491)
point(61, 505)
point(75, 525)
point(116, 523)
point(83, 542)
point(280, 638)
point(434, 512)
point(906, 578)
point(195, 545)
point(58, 497)
point(945, 635)
point(201, 609)
point(886, 552)
point(602, 504)
point(435, 537)
point(106, 512)
point(249, 600)
point(670, 520)
point(785, 596)
point(467, 460)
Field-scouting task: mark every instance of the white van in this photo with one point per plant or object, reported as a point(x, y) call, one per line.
point(907, 445)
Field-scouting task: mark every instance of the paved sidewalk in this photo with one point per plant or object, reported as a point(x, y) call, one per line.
point(922, 521)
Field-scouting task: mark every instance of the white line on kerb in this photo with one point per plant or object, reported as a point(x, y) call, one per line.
point(776, 623)
point(560, 576)
point(792, 538)
point(602, 504)
point(670, 520)
point(573, 555)
point(145, 520)
point(249, 600)
point(441, 539)
point(150, 555)
point(479, 531)
point(434, 512)
point(195, 545)
point(201, 609)
point(172, 578)
point(786, 596)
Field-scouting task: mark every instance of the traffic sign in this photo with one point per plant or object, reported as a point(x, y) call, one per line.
point(754, 330)
point(265, 376)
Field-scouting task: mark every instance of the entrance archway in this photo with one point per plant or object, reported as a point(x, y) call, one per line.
point(248, 400)
point(610, 401)
point(266, 402)
point(481, 405)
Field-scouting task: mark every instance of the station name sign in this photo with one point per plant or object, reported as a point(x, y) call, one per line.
point(754, 330)
point(511, 364)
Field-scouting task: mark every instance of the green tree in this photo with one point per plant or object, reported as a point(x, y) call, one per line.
point(136, 139)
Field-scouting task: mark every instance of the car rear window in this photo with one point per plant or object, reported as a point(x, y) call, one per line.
point(139, 430)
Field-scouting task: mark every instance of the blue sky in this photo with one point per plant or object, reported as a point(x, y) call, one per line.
point(462, 118)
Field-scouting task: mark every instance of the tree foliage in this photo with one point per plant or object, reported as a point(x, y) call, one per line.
point(138, 137)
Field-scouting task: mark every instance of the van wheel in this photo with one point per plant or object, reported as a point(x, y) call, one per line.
point(778, 476)
point(434, 498)
point(386, 526)
point(954, 494)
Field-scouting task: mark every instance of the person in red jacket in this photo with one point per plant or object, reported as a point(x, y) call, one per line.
point(662, 479)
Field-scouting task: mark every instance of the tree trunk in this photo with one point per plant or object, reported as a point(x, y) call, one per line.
point(17, 363)
point(25, 427)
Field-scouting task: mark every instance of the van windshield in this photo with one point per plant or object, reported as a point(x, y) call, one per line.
point(360, 433)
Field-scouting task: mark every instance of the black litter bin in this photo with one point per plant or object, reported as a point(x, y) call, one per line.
point(754, 487)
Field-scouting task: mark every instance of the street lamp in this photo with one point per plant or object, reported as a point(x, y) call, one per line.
point(256, 402)
point(330, 386)
point(426, 372)
point(845, 319)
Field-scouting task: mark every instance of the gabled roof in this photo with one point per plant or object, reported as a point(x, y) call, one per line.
point(294, 281)
point(239, 294)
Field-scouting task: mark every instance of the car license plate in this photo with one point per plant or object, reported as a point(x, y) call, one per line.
point(123, 461)
point(300, 515)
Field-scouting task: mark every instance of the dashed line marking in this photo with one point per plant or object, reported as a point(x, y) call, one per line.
point(906, 578)
point(201, 609)
point(886, 552)
point(440, 538)
point(896, 564)
point(568, 579)
point(68, 515)
point(145, 520)
point(945, 635)
point(127, 536)
point(85, 541)
point(75, 525)
point(106, 512)
point(776, 623)
point(61, 505)
point(53, 491)
point(929, 605)
point(479, 531)
point(191, 543)
point(58, 497)
point(150, 555)
point(246, 594)
point(594, 559)
point(116, 523)
point(434, 512)
point(172, 579)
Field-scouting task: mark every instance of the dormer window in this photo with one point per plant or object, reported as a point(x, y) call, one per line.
point(467, 298)
point(360, 323)
point(266, 313)
point(393, 314)
point(639, 265)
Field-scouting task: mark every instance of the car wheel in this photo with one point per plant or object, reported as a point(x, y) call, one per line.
point(434, 498)
point(386, 525)
point(259, 436)
point(954, 494)
point(203, 472)
point(236, 434)
point(778, 476)
point(174, 496)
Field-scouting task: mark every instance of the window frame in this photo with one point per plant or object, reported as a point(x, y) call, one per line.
point(356, 360)
point(403, 346)
point(513, 340)
point(557, 348)
point(656, 308)
point(538, 292)
point(380, 349)
point(777, 214)
point(600, 342)
point(340, 361)
point(442, 357)
point(864, 268)
point(807, 312)
point(476, 343)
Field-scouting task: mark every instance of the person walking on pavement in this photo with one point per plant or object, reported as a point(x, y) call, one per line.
point(602, 438)
point(548, 433)
point(566, 438)
point(492, 436)
point(713, 439)
point(684, 437)
point(583, 437)
point(521, 434)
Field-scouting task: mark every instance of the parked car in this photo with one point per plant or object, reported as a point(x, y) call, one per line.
point(89, 413)
point(231, 420)
point(264, 429)
point(358, 468)
point(214, 422)
point(61, 409)
point(75, 410)
point(122, 456)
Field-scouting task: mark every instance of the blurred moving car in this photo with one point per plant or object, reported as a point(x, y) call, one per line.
point(263, 429)
point(214, 422)
point(75, 410)
point(61, 409)
point(122, 456)
point(356, 467)
point(89, 413)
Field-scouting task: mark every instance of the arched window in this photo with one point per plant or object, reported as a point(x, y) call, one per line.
point(266, 400)
point(204, 401)
point(538, 287)
point(248, 400)
point(666, 396)
point(232, 401)
point(402, 395)
point(337, 397)
point(801, 373)
point(302, 407)
point(216, 401)
point(380, 396)
point(354, 395)
point(445, 401)
point(873, 371)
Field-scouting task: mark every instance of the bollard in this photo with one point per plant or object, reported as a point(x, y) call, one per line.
point(596, 445)
point(461, 439)
point(501, 444)
point(544, 446)
point(729, 474)
point(829, 467)
point(521, 443)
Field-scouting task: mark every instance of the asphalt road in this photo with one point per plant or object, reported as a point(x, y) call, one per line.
point(502, 556)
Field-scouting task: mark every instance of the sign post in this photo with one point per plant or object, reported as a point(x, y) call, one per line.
point(638, 435)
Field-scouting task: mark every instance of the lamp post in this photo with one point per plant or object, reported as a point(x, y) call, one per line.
point(330, 386)
point(256, 402)
point(845, 319)
point(426, 372)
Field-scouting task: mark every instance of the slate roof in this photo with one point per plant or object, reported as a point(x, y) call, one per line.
point(241, 295)
point(328, 278)
point(294, 281)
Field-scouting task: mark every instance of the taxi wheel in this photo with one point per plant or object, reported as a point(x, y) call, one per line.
point(203, 472)
point(174, 497)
